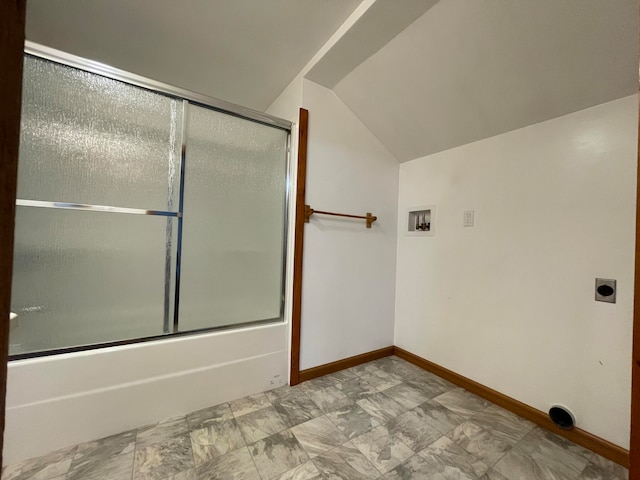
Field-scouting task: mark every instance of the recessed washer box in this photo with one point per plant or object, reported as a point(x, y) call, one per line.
point(421, 221)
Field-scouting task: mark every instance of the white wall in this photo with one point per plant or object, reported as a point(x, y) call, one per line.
point(509, 302)
point(53, 402)
point(288, 102)
point(349, 270)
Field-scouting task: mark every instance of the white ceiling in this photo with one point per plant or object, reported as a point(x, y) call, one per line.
point(471, 69)
point(383, 20)
point(422, 75)
point(241, 51)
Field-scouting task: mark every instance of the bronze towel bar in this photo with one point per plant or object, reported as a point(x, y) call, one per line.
point(308, 211)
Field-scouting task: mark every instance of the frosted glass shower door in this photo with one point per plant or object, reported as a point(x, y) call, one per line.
point(94, 140)
point(140, 214)
point(83, 278)
point(233, 221)
point(91, 265)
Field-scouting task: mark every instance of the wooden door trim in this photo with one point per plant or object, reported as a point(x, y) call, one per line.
point(634, 444)
point(296, 311)
point(12, 18)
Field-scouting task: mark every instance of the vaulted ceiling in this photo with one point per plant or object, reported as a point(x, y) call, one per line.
point(241, 51)
point(422, 75)
point(467, 70)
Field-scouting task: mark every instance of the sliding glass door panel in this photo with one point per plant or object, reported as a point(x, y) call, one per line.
point(233, 221)
point(140, 215)
point(82, 278)
point(93, 140)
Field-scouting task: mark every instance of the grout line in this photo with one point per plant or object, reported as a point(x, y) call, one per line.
point(254, 461)
point(193, 455)
point(135, 451)
point(73, 456)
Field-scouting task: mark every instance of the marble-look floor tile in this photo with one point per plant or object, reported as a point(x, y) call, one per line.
point(215, 440)
point(493, 475)
point(401, 368)
point(512, 427)
point(306, 471)
point(363, 369)
point(342, 375)
point(319, 383)
point(260, 424)
point(378, 363)
point(426, 384)
point(384, 450)
point(453, 461)
point(482, 443)
point(318, 436)
point(462, 402)
point(284, 393)
point(457, 436)
point(160, 432)
point(330, 398)
point(249, 404)
point(106, 447)
point(352, 420)
point(356, 388)
point(236, 465)
point(599, 468)
point(406, 396)
point(277, 454)
point(111, 468)
point(384, 362)
point(517, 464)
point(411, 428)
point(551, 440)
point(209, 415)
point(297, 410)
point(425, 376)
point(381, 407)
point(415, 468)
point(345, 462)
point(47, 467)
point(103, 449)
point(438, 417)
point(381, 380)
point(555, 452)
point(186, 475)
point(161, 460)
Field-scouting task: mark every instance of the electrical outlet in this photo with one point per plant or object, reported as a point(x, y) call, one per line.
point(468, 218)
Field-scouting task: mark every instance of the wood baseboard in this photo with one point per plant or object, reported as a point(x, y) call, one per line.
point(596, 444)
point(333, 367)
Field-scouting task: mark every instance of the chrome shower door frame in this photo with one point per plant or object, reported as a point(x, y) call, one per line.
point(171, 319)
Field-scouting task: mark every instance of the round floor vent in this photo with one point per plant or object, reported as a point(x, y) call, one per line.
point(562, 417)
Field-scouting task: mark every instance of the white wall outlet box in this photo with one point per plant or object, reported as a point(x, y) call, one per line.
point(421, 221)
point(468, 218)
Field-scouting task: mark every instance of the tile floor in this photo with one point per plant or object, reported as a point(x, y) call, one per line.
point(386, 419)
